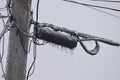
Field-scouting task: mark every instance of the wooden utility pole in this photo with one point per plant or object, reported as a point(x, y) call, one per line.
point(18, 42)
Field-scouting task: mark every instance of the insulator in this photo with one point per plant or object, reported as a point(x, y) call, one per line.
point(56, 37)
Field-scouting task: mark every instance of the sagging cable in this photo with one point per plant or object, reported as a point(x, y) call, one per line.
point(90, 5)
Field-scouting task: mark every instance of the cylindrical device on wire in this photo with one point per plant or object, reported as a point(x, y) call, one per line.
point(56, 37)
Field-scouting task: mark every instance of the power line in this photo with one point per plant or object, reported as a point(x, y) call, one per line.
point(107, 1)
point(117, 10)
point(104, 12)
point(85, 37)
point(81, 37)
point(91, 52)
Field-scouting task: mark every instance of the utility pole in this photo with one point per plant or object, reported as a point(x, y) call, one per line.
point(18, 39)
point(18, 42)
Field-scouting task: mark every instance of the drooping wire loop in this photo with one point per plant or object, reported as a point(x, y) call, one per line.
point(91, 52)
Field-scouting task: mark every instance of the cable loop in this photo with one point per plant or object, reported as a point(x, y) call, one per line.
point(91, 52)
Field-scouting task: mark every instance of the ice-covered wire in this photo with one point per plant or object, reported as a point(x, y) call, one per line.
point(91, 52)
point(32, 66)
point(27, 35)
point(4, 28)
point(1, 57)
point(29, 45)
point(3, 48)
point(82, 37)
point(104, 12)
point(22, 31)
point(107, 1)
point(95, 8)
point(3, 31)
point(117, 10)
point(85, 37)
point(34, 46)
point(2, 36)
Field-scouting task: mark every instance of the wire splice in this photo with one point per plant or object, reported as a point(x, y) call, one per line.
point(54, 36)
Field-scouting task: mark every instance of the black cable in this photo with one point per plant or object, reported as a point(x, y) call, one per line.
point(29, 46)
point(37, 10)
point(104, 12)
point(2, 67)
point(32, 65)
point(3, 47)
point(91, 52)
point(93, 7)
point(27, 36)
point(117, 10)
point(25, 50)
point(3, 36)
point(1, 56)
point(107, 1)
point(34, 46)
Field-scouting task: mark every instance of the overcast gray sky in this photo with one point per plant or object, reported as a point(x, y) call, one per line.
point(56, 63)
